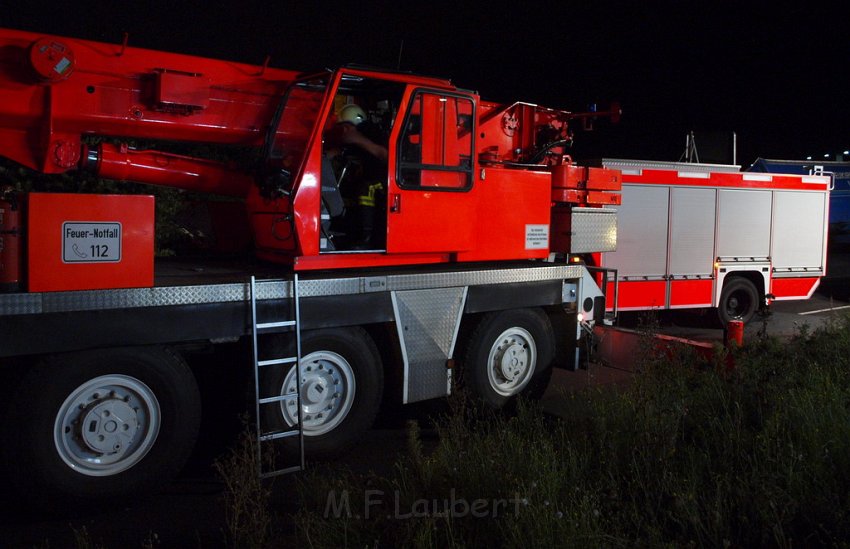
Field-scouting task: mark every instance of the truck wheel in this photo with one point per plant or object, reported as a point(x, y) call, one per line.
point(342, 381)
point(510, 353)
point(738, 301)
point(102, 424)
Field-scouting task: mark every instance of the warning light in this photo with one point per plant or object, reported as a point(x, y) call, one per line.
point(52, 60)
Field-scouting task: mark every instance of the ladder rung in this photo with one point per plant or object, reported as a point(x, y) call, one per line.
point(270, 325)
point(280, 398)
point(274, 361)
point(275, 435)
point(279, 472)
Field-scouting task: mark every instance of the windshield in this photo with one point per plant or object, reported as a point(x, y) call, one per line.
point(298, 116)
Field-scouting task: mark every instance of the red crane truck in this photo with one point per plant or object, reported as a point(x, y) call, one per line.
point(475, 218)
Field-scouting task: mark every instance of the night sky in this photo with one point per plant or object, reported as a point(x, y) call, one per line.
point(769, 72)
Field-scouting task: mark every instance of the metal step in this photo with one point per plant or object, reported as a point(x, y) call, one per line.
point(277, 435)
point(277, 361)
point(281, 398)
point(279, 472)
point(274, 325)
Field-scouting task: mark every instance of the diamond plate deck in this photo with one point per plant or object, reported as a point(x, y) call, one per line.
point(160, 296)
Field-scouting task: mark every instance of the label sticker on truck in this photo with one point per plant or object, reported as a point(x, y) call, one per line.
point(91, 242)
point(536, 237)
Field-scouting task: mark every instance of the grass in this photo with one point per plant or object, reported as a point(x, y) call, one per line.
point(249, 516)
point(688, 455)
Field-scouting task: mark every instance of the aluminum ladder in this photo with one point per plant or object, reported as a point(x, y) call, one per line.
point(274, 463)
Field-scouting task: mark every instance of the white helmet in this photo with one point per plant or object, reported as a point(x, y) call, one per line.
point(352, 113)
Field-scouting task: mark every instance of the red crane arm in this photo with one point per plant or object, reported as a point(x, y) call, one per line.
point(55, 91)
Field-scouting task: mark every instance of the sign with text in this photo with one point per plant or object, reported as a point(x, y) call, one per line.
point(536, 237)
point(98, 242)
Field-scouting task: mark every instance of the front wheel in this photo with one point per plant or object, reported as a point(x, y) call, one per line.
point(100, 424)
point(342, 381)
point(738, 301)
point(510, 353)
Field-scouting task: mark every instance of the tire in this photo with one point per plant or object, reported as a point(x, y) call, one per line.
point(346, 358)
point(739, 300)
point(538, 385)
point(110, 425)
point(510, 353)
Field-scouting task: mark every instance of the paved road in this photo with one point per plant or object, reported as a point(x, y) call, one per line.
point(829, 302)
point(786, 318)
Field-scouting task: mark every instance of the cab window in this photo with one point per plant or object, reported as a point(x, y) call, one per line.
point(435, 149)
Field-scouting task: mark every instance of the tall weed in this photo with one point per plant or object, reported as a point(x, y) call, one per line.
point(688, 454)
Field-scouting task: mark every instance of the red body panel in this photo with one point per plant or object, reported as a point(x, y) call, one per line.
point(652, 294)
point(365, 260)
point(737, 180)
point(65, 253)
point(691, 293)
point(430, 221)
point(509, 202)
point(10, 244)
point(638, 295)
point(793, 288)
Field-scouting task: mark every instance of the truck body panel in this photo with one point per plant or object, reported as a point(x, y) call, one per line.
point(839, 196)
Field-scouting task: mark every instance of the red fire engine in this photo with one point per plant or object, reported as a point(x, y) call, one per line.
point(702, 235)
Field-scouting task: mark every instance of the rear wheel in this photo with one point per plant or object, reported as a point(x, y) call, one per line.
point(738, 301)
point(510, 353)
point(101, 424)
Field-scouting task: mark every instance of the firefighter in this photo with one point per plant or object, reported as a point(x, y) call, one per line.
point(356, 133)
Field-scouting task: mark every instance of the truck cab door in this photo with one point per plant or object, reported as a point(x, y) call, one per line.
point(430, 203)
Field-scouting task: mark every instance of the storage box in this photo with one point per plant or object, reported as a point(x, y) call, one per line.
point(88, 241)
point(584, 230)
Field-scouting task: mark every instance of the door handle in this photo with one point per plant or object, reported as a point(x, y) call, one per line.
point(395, 203)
